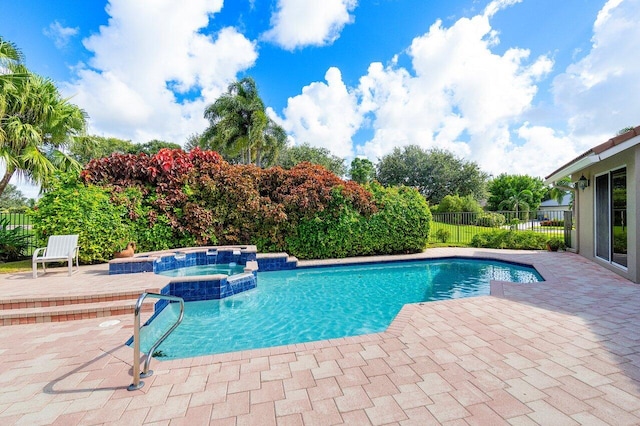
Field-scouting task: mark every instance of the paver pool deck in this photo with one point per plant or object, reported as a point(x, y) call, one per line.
point(562, 352)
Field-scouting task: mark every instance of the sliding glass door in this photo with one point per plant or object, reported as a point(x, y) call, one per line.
point(611, 216)
point(603, 244)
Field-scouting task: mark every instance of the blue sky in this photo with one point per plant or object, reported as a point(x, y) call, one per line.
point(519, 86)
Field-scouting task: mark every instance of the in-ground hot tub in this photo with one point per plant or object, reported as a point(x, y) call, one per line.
point(229, 270)
point(223, 270)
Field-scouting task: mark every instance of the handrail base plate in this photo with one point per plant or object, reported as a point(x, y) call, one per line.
point(133, 387)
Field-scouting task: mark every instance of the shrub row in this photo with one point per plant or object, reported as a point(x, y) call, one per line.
point(401, 225)
point(177, 199)
point(491, 220)
point(508, 239)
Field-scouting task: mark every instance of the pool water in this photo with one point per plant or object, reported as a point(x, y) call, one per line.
point(311, 304)
point(227, 269)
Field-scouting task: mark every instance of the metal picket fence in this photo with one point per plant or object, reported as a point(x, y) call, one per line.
point(22, 223)
point(460, 227)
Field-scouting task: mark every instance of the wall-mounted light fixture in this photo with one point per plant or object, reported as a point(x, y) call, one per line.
point(583, 182)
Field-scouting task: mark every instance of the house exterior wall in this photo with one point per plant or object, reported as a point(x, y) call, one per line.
point(585, 221)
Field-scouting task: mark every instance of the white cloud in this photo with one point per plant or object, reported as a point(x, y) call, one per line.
point(146, 58)
point(324, 115)
point(462, 95)
point(542, 149)
point(298, 23)
point(598, 93)
point(60, 34)
point(402, 113)
point(497, 5)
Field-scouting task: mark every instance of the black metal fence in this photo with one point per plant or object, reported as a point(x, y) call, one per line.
point(459, 228)
point(20, 223)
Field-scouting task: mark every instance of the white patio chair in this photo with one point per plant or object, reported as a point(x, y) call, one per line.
point(60, 248)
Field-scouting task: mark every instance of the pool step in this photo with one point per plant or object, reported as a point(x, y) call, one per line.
point(30, 311)
point(45, 302)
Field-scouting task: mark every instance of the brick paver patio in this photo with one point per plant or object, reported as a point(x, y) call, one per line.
point(566, 351)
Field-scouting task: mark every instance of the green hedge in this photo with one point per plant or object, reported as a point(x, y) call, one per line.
point(74, 208)
point(509, 239)
point(490, 220)
point(401, 225)
point(306, 212)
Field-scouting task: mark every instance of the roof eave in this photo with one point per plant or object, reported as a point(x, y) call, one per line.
point(572, 168)
point(611, 147)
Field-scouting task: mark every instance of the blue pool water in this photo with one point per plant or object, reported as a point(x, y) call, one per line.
point(227, 269)
point(311, 304)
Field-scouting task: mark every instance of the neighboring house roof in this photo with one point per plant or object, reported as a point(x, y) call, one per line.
point(597, 153)
point(566, 200)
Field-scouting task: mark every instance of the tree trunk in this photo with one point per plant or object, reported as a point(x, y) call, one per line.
point(259, 157)
point(5, 180)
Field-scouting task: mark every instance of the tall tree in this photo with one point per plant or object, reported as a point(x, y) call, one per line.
point(12, 71)
point(152, 147)
point(362, 170)
point(9, 53)
point(11, 67)
point(517, 201)
point(12, 197)
point(35, 124)
point(435, 173)
point(557, 193)
point(275, 141)
point(506, 189)
point(88, 147)
point(194, 140)
point(293, 155)
point(239, 127)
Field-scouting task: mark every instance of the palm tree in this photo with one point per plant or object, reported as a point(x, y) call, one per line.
point(239, 127)
point(275, 141)
point(557, 193)
point(35, 124)
point(517, 200)
point(11, 71)
point(10, 58)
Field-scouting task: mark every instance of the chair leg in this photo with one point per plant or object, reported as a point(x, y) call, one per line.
point(70, 267)
point(35, 269)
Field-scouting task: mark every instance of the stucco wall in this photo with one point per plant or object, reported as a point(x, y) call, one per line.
point(586, 210)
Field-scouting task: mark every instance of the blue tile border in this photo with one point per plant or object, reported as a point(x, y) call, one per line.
point(212, 287)
point(164, 261)
point(280, 263)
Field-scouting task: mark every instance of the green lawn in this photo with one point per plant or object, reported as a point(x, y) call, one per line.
point(19, 219)
point(462, 234)
point(12, 267)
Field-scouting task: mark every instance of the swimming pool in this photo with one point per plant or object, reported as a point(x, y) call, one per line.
point(308, 304)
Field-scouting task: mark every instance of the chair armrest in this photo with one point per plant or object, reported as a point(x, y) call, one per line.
point(37, 251)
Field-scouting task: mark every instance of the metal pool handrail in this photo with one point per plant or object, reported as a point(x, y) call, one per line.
point(137, 375)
